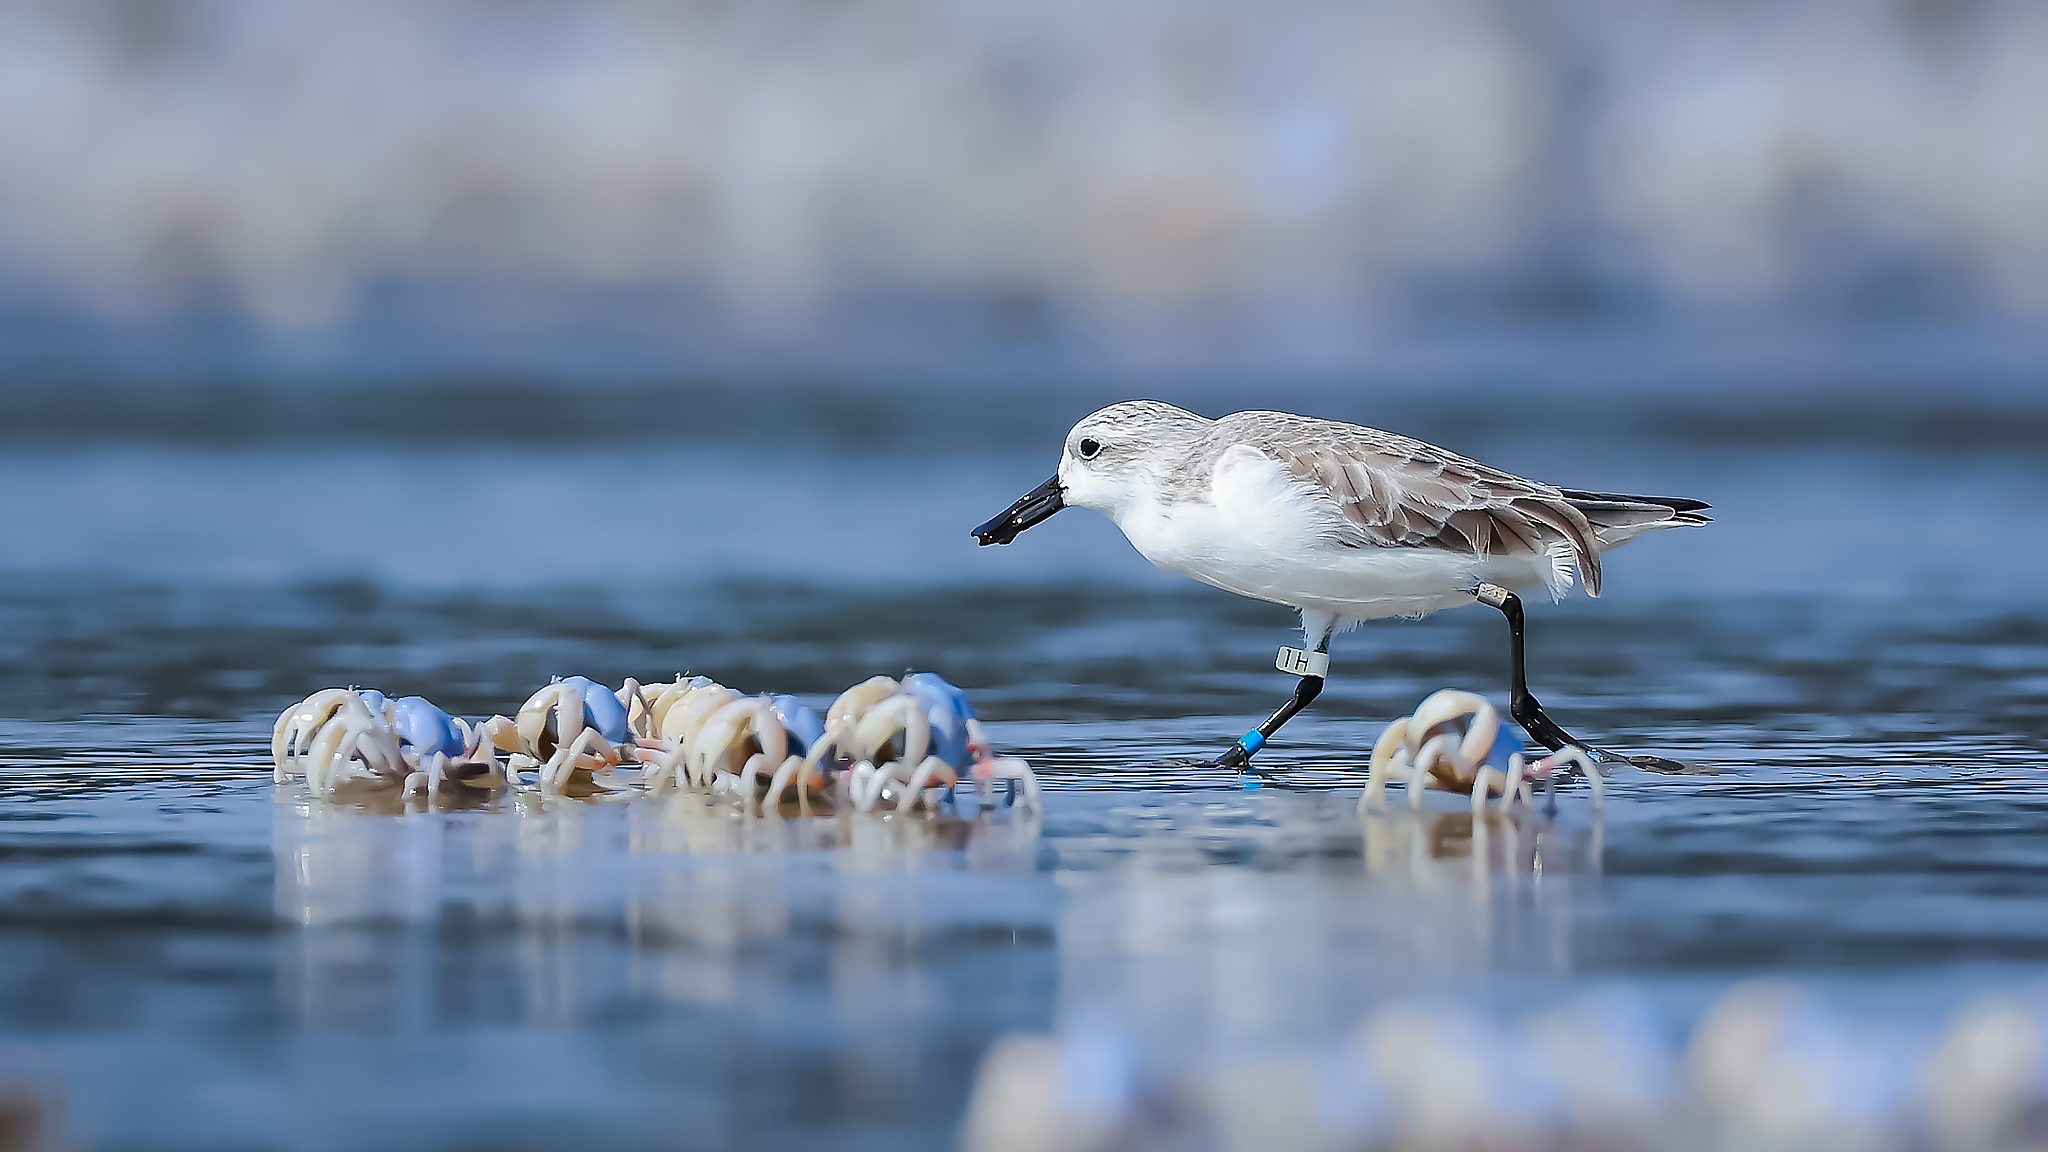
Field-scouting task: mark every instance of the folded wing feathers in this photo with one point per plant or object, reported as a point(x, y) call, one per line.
point(1396, 492)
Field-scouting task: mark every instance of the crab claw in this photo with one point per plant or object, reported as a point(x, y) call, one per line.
point(732, 736)
point(855, 701)
point(1456, 756)
point(293, 733)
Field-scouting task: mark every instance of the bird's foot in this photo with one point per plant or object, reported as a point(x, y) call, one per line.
point(1251, 777)
point(1238, 757)
point(1657, 764)
point(1234, 759)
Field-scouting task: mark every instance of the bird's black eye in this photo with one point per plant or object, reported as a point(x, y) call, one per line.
point(1088, 447)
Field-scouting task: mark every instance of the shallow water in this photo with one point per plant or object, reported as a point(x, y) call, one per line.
point(192, 957)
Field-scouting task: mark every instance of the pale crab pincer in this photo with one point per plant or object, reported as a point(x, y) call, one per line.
point(339, 736)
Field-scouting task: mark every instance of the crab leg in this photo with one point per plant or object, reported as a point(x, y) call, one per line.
point(794, 768)
point(1436, 747)
point(866, 782)
point(1482, 783)
point(660, 772)
point(1516, 767)
point(1012, 769)
point(630, 696)
point(315, 759)
point(913, 788)
point(1392, 743)
point(428, 776)
point(1573, 754)
point(749, 774)
point(563, 765)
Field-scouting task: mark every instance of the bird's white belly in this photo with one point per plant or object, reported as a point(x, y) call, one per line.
point(1284, 558)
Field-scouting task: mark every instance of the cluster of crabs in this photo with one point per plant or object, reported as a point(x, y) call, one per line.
point(883, 741)
point(900, 743)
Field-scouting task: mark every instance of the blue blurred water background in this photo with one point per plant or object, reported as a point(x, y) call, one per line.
point(448, 347)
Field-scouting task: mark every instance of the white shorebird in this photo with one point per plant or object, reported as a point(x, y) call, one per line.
point(1343, 522)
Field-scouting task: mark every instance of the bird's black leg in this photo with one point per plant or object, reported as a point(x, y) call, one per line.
point(1312, 667)
point(1521, 705)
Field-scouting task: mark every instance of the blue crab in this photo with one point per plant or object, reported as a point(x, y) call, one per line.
point(342, 735)
point(1455, 741)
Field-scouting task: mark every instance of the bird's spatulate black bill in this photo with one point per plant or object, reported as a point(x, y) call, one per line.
point(1032, 507)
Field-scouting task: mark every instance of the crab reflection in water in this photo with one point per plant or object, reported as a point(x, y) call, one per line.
point(700, 824)
point(1443, 850)
point(554, 908)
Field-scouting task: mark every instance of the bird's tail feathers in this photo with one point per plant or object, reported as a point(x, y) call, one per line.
point(1617, 519)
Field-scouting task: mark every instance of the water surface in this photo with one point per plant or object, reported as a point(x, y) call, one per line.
point(194, 957)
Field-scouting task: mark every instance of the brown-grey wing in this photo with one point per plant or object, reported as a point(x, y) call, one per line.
point(1403, 493)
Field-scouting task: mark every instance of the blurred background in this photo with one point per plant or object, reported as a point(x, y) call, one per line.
point(889, 191)
point(813, 260)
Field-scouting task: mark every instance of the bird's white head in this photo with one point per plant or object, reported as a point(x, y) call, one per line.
point(1111, 456)
point(1109, 463)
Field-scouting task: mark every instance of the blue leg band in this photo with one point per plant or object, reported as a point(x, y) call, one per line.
point(1252, 741)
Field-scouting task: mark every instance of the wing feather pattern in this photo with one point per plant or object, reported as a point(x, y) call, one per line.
point(1397, 492)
